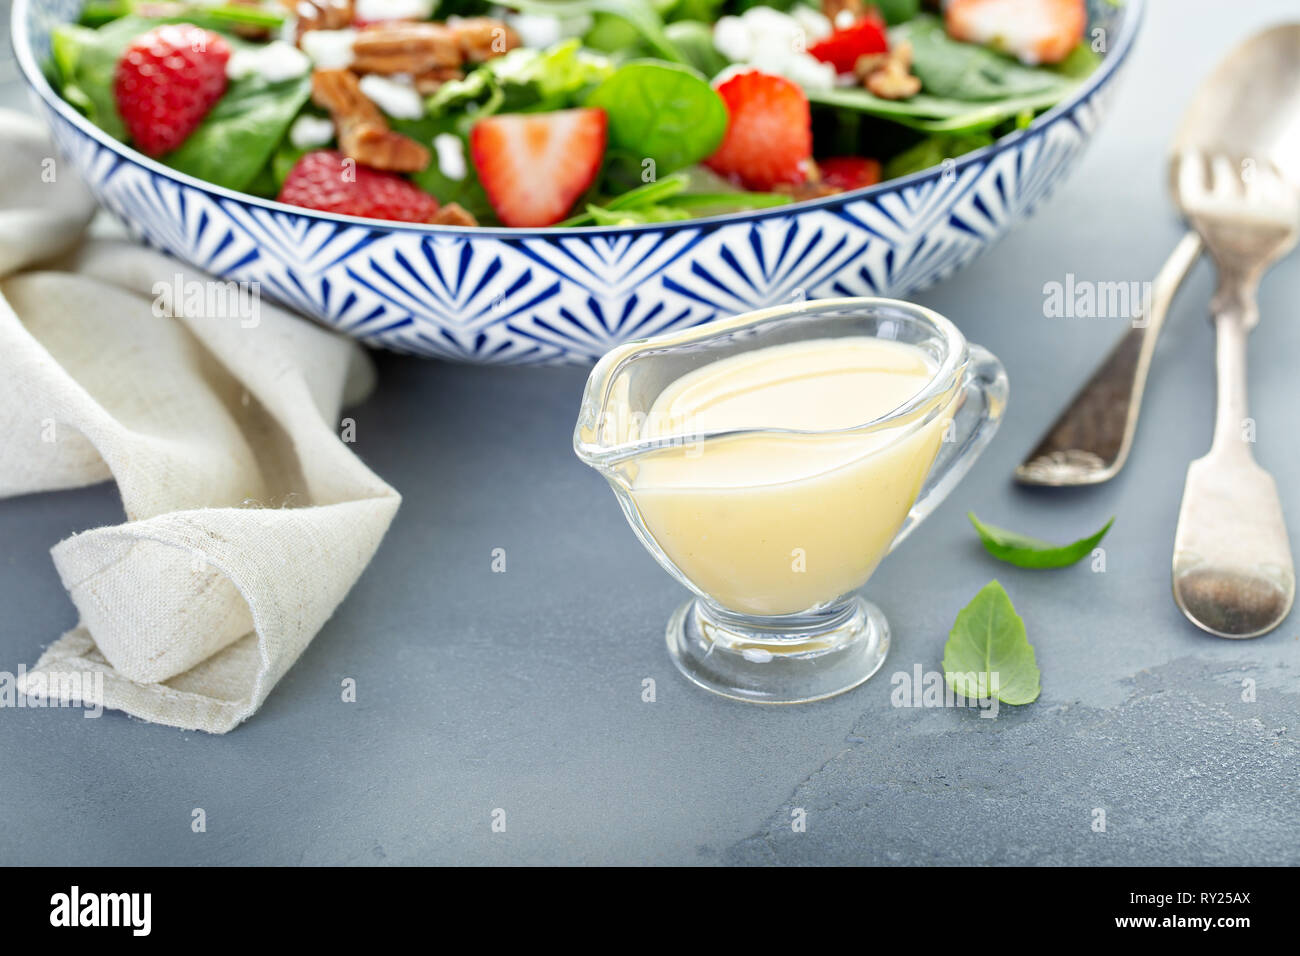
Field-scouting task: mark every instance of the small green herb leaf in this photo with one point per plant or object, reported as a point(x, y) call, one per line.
point(1026, 552)
point(988, 654)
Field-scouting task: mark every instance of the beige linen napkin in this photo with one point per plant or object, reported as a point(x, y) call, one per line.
point(248, 519)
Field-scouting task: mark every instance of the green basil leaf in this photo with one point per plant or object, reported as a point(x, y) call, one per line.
point(663, 112)
point(1026, 552)
point(988, 652)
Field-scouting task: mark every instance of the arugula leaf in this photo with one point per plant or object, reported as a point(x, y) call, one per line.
point(604, 216)
point(663, 112)
point(715, 204)
point(236, 139)
point(988, 652)
point(1026, 552)
point(524, 80)
point(965, 71)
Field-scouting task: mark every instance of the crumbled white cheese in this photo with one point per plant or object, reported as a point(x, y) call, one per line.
point(368, 10)
point(815, 23)
point(275, 62)
point(310, 131)
point(395, 95)
point(777, 42)
point(451, 155)
point(329, 49)
point(539, 31)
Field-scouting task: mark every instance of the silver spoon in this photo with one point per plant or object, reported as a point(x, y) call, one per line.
point(1236, 177)
point(1252, 102)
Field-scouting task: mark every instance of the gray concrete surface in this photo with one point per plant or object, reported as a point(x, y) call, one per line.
point(522, 690)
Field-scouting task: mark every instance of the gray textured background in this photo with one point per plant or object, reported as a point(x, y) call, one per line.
point(522, 690)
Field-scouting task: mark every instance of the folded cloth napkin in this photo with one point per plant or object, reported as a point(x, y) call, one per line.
point(248, 519)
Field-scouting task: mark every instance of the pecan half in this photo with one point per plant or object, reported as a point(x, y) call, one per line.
point(426, 84)
point(405, 47)
point(453, 214)
point(322, 15)
point(363, 133)
point(482, 38)
point(889, 75)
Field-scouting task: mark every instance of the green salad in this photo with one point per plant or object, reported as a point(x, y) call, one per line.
point(563, 112)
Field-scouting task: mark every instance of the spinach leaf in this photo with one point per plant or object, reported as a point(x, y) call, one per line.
point(641, 15)
point(932, 151)
point(615, 36)
point(988, 652)
point(236, 139)
point(705, 11)
point(95, 13)
point(283, 160)
point(695, 40)
point(964, 71)
point(85, 62)
point(964, 88)
point(896, 11)
point(1079, 63)
point(645, 195)
point(936, 114)
point(662, 112)
point(1026, 552)
point(467, 191)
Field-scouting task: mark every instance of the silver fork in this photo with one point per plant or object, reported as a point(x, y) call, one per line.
point(1232, 569)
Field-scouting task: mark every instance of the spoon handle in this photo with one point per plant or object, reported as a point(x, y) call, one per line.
point(1233, 574)
point(1090, 440)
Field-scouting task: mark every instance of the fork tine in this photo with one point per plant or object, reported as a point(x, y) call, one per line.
point(1191, 174)
point(1225, 178)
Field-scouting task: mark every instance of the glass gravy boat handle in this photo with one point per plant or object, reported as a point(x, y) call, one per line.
point(982, 403)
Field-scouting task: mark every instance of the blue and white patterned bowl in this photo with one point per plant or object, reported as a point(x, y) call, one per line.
point(540, 296)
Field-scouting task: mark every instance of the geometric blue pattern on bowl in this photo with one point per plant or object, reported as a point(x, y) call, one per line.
point(542, 296)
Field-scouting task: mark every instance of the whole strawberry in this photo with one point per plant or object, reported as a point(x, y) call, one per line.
point(166, 82)
point(329, 181)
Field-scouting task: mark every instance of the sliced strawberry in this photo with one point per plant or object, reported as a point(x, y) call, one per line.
point(843, 47)
point(167, 81)
point(1034, 31)
point(327, 180)
point(533, 166)
point(769, 132)
point(849, 172)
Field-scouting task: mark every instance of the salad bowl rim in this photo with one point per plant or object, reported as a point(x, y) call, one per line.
point(1134, 12)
